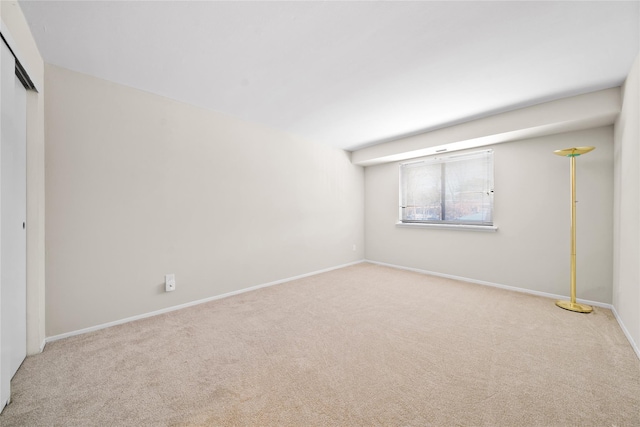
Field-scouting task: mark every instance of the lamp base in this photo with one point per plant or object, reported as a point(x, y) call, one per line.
point(574, 306)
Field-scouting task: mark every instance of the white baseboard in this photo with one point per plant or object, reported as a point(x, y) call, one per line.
point(44, 342)
point(626, 331)
point(190, 304)
point(494, 285)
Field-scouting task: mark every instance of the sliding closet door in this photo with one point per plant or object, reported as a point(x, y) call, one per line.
point(13, 319)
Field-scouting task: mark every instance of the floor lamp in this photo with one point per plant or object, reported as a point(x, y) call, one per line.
point(572, 305)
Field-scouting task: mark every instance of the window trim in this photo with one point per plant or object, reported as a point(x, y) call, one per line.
point(444, 224)
point(458, 227)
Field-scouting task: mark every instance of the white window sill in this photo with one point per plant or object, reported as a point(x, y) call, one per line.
point(483, 228)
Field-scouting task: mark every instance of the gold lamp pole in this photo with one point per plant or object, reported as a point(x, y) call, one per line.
point(572, 305)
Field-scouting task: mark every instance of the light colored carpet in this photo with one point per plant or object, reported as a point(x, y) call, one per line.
point(361, 346)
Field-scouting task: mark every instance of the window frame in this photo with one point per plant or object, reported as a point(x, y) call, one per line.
point(489, 180)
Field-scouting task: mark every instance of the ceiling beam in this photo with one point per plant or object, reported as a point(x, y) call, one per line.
point(586, 111)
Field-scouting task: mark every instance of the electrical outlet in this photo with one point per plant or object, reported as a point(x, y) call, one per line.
point(354, 247)
point(169, 282)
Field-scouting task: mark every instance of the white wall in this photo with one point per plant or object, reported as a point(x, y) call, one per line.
point(626, 279)
point(139, 185)
point(27, 51)
point(531, 249)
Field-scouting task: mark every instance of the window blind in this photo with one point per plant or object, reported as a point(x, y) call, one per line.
point(455, 189)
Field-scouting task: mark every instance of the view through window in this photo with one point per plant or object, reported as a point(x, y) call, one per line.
point(456, 189)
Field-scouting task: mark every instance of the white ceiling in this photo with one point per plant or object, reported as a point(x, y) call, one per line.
point(349, 74)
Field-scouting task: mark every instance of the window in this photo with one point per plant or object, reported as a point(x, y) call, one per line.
point(457, 189)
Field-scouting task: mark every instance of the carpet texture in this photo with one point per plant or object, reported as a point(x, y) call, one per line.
point(364, 345)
